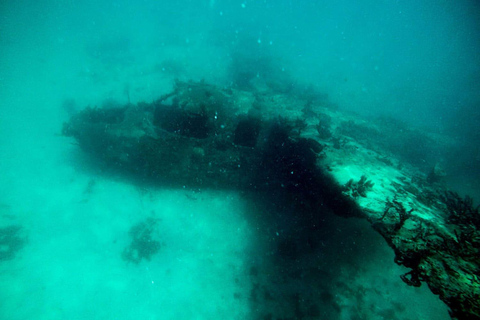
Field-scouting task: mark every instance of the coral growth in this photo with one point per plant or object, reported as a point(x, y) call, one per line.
point(464, 218)
point(11, 241)
point(400, 211)
point(461, 212)
point(359, 188)
point(143, 244)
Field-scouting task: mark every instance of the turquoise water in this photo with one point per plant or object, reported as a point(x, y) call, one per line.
point(417, 62)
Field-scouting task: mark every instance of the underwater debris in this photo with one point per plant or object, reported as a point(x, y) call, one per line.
point(143, 245)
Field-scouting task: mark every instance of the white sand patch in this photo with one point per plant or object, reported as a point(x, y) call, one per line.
point(72, 266)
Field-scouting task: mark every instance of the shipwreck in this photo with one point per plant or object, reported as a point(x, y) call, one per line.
point(204, 136)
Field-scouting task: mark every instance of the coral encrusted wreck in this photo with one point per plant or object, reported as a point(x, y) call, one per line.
point(202, 136)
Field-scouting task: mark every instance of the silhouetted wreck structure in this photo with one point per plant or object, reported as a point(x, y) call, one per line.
point(202, 136)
